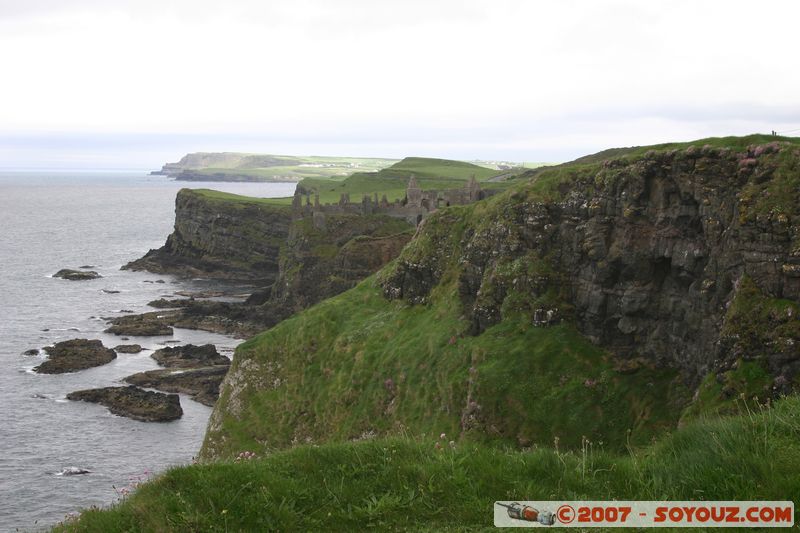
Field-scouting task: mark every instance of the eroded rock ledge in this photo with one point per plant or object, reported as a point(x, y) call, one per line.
point(133, 402)
point(201, 384)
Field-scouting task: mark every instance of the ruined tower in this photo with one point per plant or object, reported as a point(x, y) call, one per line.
point(473, 189)
point(413, 193)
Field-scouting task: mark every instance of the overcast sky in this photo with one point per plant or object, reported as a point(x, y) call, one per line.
point(132, 84)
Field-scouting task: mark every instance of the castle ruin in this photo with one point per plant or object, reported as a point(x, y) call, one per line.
point(416, 205)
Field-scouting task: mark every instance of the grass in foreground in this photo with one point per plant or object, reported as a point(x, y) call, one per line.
point(425, 485)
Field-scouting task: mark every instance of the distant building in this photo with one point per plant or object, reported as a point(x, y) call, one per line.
point(416, 205)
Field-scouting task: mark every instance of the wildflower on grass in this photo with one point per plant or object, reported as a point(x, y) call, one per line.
point(244, 456)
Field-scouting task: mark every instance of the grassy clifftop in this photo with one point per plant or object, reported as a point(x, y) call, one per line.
point(231, 166)
point(425, 485)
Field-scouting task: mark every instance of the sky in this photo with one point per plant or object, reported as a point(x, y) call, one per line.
point(134, 84)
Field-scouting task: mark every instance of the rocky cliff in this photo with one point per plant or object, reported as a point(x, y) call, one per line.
point(317, 263)
point(295, 263)
point(646, 254)
point(611, 298)
point(223, 237)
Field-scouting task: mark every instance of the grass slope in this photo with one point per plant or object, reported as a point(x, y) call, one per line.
point(733, 143)
point(417, 485)
point(357, 365)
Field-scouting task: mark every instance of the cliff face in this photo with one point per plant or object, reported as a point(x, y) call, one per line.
point(645, 254)
point(317, 263)
point(295, 263)
point(221, 239)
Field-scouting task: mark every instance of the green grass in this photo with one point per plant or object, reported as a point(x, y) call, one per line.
point(405, 484)
point(733, 143)
point(358, 364)
point(238, 201)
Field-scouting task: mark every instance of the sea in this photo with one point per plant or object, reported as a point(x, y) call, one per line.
point(51, 220)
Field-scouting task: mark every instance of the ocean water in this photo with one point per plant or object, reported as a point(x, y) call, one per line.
point(54, 220)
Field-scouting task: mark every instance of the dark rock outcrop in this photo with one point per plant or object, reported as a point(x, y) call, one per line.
point(318, 263)
point(74, 355)
point(190, 356)
point(218, 317)
point(133, 402)
point(144, 325)
point(202, 384)
point(128, 348)
point(76, 275)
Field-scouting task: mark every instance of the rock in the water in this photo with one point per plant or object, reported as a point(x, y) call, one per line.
point(190, 356)
point(145, 325)
point(73, 471)
point(202, 384)
point(200, 294)
point(163, 303)
point(76, 275)
point(74, 355)
point(110, 291)
point(128, 348)
point(133, 402)
point(32, 351)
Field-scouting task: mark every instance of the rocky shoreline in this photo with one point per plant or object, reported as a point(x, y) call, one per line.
point(196, 371)
point(291, 264)
point(200, 384)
